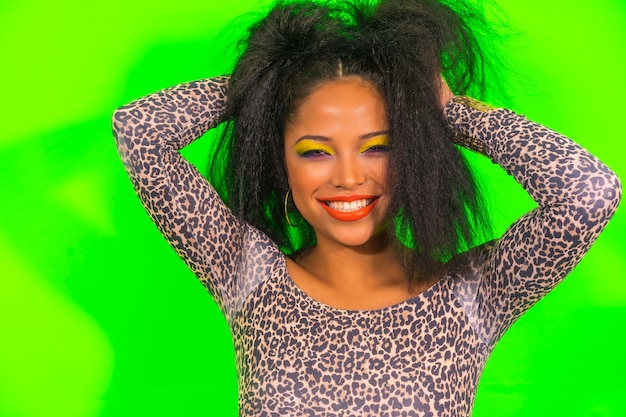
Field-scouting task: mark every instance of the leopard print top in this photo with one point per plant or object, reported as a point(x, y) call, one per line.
point(422, 357)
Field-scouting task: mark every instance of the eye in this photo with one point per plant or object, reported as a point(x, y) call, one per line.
point(313, 149)
point(375, 149)
point(376, 145)
point(314, 153)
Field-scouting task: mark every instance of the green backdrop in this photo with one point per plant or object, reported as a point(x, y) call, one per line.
point(98, 317)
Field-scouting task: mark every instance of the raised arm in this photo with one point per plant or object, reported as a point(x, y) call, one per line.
point(576, 193)
point(149, 133)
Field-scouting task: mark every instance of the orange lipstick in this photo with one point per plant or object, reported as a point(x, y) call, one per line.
point(349, 215)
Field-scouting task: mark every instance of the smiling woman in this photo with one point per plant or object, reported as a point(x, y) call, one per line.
point(335, 162)
point(382, 300)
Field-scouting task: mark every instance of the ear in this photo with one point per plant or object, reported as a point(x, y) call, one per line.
point(286, 171)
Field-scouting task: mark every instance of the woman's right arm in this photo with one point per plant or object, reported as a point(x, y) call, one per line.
point(149, 133)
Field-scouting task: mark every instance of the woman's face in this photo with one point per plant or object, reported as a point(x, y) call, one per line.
point(336, 151)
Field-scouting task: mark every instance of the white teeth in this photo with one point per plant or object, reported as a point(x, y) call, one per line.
point(345, 206)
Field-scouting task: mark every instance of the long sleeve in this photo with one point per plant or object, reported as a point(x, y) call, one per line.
point(576, 196)
point(216, 246)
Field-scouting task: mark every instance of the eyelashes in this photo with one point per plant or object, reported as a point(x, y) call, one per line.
point(379, 144)
point(314, 153)
point(312, 149)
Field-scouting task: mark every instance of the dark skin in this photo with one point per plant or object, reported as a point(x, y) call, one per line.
point(336, 148)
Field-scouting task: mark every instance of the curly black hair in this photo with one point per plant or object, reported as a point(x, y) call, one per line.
point(402, 47)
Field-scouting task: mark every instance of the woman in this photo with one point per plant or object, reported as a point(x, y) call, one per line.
point(338, 250)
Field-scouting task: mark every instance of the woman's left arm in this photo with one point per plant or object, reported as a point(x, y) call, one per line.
point(576, 193)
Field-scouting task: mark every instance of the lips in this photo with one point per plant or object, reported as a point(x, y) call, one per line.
point(349, 209)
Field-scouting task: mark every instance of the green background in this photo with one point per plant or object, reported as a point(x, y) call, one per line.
point(98, 317)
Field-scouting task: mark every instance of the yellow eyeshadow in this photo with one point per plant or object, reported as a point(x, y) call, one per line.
point(307, 145)
point(382, 140)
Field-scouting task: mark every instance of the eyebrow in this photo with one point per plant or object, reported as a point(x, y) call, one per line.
point(327, 139)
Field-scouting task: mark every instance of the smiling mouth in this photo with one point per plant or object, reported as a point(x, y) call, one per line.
point(349, 209)
point(348, 206)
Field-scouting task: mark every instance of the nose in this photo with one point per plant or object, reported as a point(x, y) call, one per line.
point(348, 173)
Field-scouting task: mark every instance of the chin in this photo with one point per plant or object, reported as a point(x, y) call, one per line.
point(355, 239)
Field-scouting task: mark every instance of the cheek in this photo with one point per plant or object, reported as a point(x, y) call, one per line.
point(296, 177)
point(377, 171)
point(304, 178)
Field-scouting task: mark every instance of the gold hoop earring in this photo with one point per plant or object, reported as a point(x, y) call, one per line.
point(289, 222)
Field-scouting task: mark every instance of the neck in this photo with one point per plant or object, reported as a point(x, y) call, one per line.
point(369, 266)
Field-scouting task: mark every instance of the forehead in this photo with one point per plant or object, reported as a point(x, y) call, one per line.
point(348, 104)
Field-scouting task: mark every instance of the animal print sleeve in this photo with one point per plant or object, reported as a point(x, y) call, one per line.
point(576, 195)
point(217, 247)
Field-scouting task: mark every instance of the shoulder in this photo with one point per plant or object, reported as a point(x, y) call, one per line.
point(474, 261)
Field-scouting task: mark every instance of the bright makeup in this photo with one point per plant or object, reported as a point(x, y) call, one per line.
point(309, 147)
point(380, 143)
point(349, 209)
